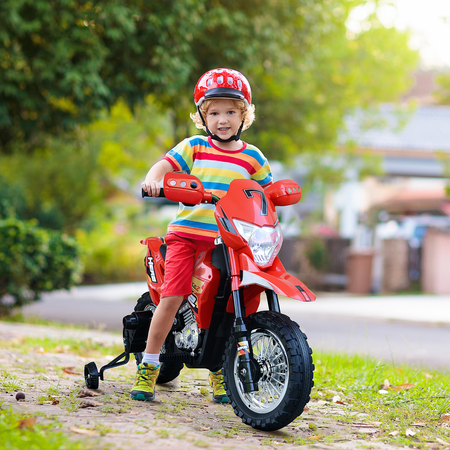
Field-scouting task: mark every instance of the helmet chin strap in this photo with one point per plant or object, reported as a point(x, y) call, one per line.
point(235, 137)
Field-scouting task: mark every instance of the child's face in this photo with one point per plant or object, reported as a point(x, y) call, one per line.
point(223, 118)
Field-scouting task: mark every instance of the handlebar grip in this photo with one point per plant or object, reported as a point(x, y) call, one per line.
point(145, 194)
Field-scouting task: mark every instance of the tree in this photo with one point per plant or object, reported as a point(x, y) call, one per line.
point(304, 102)
point(63, 61)
point(442, 93)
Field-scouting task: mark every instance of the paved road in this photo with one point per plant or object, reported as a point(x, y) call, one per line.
point(413, 329)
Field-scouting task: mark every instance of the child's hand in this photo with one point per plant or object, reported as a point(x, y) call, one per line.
point(152, 187)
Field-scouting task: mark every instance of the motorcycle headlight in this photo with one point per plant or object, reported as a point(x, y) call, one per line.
point(264, 242)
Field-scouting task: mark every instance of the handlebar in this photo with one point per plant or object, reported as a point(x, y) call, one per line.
point(145, 194)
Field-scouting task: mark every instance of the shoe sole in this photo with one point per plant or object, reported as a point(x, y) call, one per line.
point(142, 397)
point(221, 400)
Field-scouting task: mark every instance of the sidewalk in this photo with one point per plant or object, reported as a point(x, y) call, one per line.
point(416, 308)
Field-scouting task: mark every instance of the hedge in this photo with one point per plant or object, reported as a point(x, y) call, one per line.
point(34, 260)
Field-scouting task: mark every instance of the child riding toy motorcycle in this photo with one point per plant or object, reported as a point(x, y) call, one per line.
point(265, 358)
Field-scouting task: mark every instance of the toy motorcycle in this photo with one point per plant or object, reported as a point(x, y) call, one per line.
point(264, 356)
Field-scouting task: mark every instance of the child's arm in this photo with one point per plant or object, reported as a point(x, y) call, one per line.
point(155, 175)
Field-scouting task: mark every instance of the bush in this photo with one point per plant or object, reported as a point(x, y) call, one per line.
point(34, 260)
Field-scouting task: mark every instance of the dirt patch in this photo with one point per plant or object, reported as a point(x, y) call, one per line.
point(182, 415)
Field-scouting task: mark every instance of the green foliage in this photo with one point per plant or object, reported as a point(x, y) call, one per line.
point(317, 254)
point(302, 101)
point(63, 64)
point(127, 143)
point(442, 94)
point(112, 251)
point(34, 260)
point(57, 185)
point(64, 61)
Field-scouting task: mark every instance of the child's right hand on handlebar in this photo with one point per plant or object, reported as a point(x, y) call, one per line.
point(152, 187)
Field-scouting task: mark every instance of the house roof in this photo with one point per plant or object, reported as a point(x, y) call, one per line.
point(427, 129)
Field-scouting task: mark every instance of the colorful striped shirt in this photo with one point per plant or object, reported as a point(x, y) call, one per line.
point(216, 169)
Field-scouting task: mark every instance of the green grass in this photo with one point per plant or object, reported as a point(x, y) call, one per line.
point(18, 317)
point(80, 347)
point(411, 399)
point(23, 432)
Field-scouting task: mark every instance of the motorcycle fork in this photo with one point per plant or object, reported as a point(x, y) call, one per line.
point(248, 369)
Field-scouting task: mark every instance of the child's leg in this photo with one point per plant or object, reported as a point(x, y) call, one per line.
point(162, 322)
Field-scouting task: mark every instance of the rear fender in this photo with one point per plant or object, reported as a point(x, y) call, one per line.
point(275, 278)
point(154, 265)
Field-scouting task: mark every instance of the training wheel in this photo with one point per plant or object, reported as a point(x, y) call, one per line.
point(91, 375)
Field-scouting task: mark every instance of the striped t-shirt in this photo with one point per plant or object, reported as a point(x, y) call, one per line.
point(216, 169)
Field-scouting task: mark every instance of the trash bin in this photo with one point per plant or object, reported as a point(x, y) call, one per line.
point(359, 271)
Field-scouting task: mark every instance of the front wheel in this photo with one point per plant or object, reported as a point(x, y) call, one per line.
point(286, 371)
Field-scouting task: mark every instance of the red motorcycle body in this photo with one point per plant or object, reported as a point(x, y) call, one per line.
point(248, 202)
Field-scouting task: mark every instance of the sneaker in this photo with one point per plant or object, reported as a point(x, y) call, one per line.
point(144, 386)
point(216, 382)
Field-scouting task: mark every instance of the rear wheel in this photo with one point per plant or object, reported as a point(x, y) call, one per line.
point(286, 371)
point(169, 369)
point(91, 375)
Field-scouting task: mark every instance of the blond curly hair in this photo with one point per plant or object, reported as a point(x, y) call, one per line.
point(248, 113)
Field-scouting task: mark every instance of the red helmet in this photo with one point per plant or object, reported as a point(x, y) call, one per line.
point(222, 83)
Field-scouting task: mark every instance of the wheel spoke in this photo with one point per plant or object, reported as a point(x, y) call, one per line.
point(273, 362)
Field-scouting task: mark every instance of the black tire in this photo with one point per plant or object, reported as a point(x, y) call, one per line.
point(91, 375)
point(288, 365)
point(169, 369)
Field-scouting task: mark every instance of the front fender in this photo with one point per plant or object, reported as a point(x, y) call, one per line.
point(275, 278)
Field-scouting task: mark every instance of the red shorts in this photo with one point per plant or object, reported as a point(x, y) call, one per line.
point(179, 264)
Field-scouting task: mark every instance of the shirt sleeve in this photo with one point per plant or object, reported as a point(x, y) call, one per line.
point(181, 157)
point(263, 175)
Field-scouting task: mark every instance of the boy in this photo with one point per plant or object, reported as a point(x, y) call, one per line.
point(224, 109)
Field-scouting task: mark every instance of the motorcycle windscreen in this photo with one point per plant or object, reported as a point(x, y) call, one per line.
point(275, 278)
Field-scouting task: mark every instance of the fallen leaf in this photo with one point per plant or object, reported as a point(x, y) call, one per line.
point(84, 431)
point(394, 433)
point(316, 437)
point(441, 441)
point(386, 385)
point(410, 432)
point(204, 428)
point(445, 418)
point(29, 423)
point(419, 424)
point(86, 403)
point(88, 393)
point(204, 391)
point(70, 371)
point(403, 387)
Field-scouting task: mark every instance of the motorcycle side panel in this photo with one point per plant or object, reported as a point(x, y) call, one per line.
point(275, 278)
point(154, 264)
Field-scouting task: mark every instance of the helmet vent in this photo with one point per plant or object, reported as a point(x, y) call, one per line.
point(209, 82)
point(230, 81)
point(220, 79)
point(240, 84)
